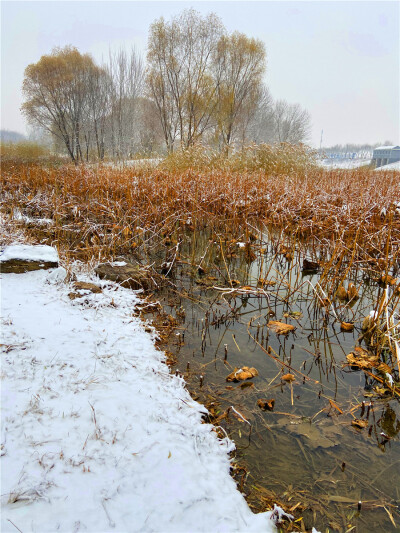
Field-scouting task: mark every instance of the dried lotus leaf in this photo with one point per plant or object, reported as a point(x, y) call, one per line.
point(266, 405)
point(387, 280)
point(280, 328)
point(384, 368)
point(362, 358)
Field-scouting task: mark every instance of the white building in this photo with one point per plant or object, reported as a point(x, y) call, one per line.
point(383, 155)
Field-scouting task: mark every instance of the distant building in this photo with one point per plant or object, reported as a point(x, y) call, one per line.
point(383, 155)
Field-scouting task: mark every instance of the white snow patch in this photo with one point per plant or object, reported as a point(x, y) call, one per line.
point(27, 252)
point(97, 435)
point(343, 163)
point(118, 263)
point(390, 166)
point(18, 216)
point(56, 275)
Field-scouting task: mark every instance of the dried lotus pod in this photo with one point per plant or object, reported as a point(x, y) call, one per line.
point(352, 292)
point(240, 374)
point(341, 293)
point(289, 378)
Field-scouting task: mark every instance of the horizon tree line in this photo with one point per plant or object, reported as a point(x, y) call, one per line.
point(198, 84)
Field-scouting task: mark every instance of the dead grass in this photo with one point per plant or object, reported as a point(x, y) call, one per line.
point(280, 158)
point(26, 152)
point(104, 211)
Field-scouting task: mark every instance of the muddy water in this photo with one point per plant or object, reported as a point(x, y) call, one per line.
point(305, 451)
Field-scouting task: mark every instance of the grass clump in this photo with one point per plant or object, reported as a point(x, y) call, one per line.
point(275, 159)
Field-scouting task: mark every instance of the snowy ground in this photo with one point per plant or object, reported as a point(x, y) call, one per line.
point(343, 163)
point(391, 166)
point(354, 163)
point(97, 436)
point(134, 163)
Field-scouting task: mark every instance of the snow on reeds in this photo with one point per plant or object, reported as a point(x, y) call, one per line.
point(102, 211)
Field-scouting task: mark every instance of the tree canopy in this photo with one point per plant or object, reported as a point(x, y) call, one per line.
point(200, 84)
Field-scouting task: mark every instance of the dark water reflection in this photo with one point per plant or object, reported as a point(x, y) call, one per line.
point(306, 449)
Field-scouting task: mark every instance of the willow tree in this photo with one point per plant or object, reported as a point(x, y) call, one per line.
point(56, 95)
point(240, 63)
point(180, 74)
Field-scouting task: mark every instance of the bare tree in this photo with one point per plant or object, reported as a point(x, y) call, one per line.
point(126, 72)
point(150, 133)
point(98, 110)
point(292, 123)
point(260, 127)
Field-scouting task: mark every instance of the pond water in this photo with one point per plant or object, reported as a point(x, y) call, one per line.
point(305, 452)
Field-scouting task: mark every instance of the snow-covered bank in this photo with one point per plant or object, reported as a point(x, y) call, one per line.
point(96, 434)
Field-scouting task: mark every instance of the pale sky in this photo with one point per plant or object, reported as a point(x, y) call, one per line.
point(339, 59)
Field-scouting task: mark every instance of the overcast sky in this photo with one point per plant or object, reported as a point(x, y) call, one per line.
point(339, 60)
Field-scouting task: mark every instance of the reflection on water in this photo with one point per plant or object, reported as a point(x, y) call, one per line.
point(306, 449)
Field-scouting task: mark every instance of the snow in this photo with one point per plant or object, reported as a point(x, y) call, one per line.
point(390, 166)
point(118, 263)
point(153, 162)
point(97, 435)
point(29, 253)
point(344, 163)
point(18, 216)
point(385, 147)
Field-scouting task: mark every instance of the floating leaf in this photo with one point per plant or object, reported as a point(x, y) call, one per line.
point(280, 328)
point(362, 358)
point(346, 326)
point(293, 314)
